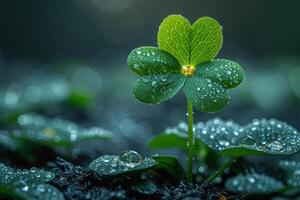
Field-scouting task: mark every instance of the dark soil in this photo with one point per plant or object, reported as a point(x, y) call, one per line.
point(79, 183)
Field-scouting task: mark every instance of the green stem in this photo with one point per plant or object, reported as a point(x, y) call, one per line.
point(220, 171)
point(191, 142)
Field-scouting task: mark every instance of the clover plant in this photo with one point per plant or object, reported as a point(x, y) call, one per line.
point(185, 58)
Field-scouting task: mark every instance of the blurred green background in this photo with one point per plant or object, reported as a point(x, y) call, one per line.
point(68, 58)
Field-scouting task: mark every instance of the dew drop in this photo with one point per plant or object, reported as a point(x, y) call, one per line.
point(130, 159)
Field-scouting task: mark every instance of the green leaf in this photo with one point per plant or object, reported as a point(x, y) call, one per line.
point(241, 151)
point(155, 89)
point(271, 136)
point(80, 98)
point(37, 192)
point(205, 95)
point(230, 74)
point(55, 132)
point(147, 188)
point(257, 138)
point(169, 165)
point(32, 176)
point(206, 40)
point(261, 137)
point(27, 184)
point(253, 183)
point(130, 161)
point(146, 61)
point(190, 45)
point(174, 37)
point(169, 140)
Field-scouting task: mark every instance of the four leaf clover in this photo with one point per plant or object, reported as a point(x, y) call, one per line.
point(184, 59)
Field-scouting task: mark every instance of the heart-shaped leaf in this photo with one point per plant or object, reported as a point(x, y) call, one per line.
point(205, 95)
point(253, 183)
point(228, 73)
point(55, 132)
point(129, 161)
point(157, 88)
point(206, 40)
point(190, 45)
point(174, 37)
point(145, 61)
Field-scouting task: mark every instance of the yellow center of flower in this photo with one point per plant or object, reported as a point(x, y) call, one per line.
point(188, 70)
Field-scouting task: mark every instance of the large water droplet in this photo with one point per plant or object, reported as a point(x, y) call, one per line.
point(130, 159)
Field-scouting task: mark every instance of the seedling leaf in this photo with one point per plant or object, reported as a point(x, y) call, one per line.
point(130, 161)
point(206, 40)
point(261, 137)
point(27, 184)
point(55, 132)
point(174, 36)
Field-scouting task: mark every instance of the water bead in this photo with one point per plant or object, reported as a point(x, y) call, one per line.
point(130, 159)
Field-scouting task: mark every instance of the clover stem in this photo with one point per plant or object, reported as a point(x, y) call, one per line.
point(220, 171)
point(191, 142)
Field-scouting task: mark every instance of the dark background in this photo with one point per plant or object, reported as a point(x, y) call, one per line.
point(87, 43)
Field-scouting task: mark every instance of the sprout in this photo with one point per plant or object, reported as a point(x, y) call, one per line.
point(184, 59)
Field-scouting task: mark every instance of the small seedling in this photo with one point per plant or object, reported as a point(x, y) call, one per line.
point(184, 59)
